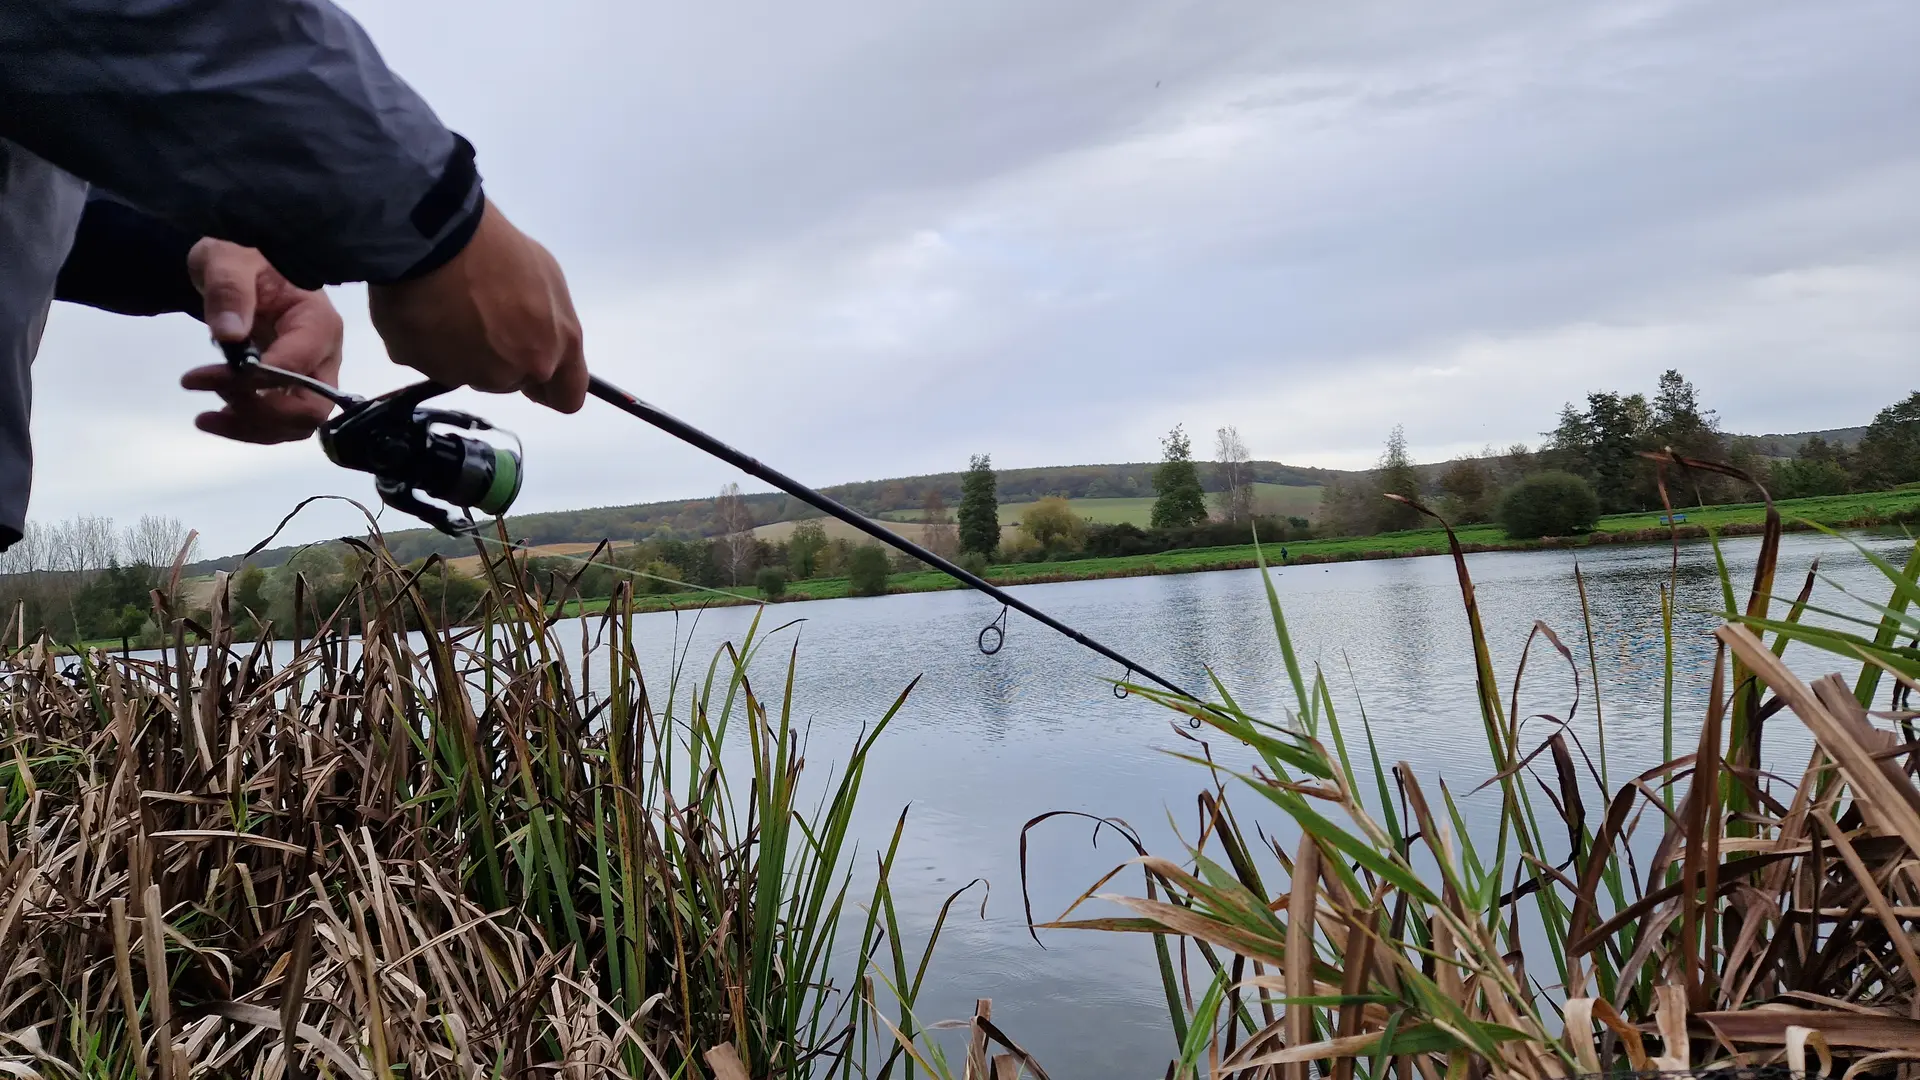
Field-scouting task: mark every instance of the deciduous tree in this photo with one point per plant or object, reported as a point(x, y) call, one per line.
point(157, 541)
point(1234, 501)
point(1396, 476)
point(939, 534)
point(1181, 500)
point(733, 548)
point(1469, 488)
point(803, 548)
point(1889, 453)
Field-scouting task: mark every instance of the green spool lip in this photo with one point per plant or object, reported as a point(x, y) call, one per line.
point(506, 483)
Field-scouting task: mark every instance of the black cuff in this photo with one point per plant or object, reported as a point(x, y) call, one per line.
point(454, 204)
point(126, 261)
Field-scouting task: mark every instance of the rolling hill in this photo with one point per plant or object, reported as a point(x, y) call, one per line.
point(1112, 492)
point(1108, 493)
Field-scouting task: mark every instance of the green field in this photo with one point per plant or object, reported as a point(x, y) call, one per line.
point(1831, 510)
point(1275, 500)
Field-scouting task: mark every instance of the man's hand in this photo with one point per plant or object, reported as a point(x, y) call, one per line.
point(497, 317)
point(296, 330)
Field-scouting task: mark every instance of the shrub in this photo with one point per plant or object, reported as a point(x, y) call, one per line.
point(1107, 541)
point(1799, 479)
point(660, 579)
point(867, 571)
point(1020, 548)
point(1549, 504)
point(973, 563)
point(772, 582)
point(1053, 525)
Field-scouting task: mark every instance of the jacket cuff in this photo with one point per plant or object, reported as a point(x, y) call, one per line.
point(451, 210)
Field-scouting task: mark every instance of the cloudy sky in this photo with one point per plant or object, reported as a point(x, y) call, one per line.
point(862, 238)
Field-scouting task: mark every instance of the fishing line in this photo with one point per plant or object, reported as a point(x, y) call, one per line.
point(615, 567)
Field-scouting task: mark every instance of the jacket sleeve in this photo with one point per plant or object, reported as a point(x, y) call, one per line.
point(128, 262)
point(271, 123)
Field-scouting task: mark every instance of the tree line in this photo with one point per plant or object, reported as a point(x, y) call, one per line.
point(88, 579)
point(1886, 456)
point(1594, 462)
point(1591, 463)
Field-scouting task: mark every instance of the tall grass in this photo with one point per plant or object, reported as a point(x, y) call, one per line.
point(444, 856)
point(1710, 914)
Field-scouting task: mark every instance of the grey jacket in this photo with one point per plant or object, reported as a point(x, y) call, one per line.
point(272, 123)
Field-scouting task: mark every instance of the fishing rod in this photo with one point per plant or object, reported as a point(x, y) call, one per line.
point(401, 442)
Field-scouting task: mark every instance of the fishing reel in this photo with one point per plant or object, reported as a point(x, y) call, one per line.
point(405, 447)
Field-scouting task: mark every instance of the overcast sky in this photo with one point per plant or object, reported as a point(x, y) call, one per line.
point(865, 238)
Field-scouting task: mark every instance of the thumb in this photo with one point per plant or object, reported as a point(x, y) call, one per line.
point(228, 277)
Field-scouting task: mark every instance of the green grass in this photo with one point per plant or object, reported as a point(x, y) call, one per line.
point(1286, 500)
point(1280, 500)
point(1099, 511)
point(1831, 510)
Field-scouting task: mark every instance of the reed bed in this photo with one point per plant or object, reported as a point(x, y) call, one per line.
point(444, 856)
point(454, 855)
point(1766, 920)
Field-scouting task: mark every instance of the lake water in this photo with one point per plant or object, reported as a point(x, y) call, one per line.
point(987, 742)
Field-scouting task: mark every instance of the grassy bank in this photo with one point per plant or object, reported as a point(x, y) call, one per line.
point(1833, 511)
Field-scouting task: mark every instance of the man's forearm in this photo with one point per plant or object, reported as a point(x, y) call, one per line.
point(129, 262)
point(271, 123)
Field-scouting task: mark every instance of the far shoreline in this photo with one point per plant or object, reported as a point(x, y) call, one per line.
point(1726, 522)
point(1874, 510)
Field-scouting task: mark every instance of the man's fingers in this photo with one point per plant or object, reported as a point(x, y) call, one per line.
point(228, 277)
point(252, 427)
point(215, 377)
point(256, 412)
point(567, 390)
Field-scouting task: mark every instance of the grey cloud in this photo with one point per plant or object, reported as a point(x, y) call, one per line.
point(866, 238)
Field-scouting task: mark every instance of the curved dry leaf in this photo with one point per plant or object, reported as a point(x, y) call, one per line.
point(1798, 1039)
point(1577, 1018)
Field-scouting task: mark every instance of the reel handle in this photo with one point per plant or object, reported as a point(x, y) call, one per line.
point(394, 438)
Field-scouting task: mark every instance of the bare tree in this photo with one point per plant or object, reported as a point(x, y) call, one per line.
point(942, 536)
point(733, 548)
point(156, 542)
point(23, 575)
point(79, 547)
point(1234, 501)
point(28, 555)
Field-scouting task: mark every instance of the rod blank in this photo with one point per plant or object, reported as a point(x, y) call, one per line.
point(746, 463)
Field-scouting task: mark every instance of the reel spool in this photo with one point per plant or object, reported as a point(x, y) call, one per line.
point(397, 441)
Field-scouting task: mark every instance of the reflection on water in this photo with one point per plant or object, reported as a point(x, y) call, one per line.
point(987, 742)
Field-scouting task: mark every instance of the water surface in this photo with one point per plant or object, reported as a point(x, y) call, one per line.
point(986, 743)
